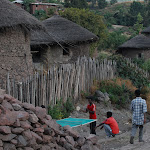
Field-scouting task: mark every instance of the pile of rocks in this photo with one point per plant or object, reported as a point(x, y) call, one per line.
point(100, 96)
point(25, 127)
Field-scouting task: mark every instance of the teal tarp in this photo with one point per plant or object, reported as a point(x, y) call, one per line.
point(74, 122)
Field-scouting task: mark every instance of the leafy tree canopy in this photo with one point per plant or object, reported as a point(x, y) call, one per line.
point(88, 20)
point(138, 26)
point(135, 8)
point(113, 2)
point(102, 4)
point(76, 3)
point(27, 3)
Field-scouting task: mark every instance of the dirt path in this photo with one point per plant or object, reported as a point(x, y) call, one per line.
point(120, 142)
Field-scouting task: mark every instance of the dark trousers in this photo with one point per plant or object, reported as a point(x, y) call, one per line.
point(92, 127)
point(134, 129)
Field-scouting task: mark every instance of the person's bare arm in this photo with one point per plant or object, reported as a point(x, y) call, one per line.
point(99, 125)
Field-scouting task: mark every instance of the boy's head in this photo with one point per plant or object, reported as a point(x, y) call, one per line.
point(89, 98)
point(109, 114)
point(137, 93)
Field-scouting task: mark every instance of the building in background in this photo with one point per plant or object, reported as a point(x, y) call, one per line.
point(43, 6)
point(19, 3)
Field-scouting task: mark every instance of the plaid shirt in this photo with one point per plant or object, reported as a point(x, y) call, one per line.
point(138, 107)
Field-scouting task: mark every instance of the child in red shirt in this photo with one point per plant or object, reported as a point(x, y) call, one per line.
point(91, 108)
point(110, 125)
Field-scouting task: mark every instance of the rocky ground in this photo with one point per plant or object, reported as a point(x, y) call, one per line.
point(123, 117)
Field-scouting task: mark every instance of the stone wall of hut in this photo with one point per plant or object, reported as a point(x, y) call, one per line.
point(136, 53)
point(15, 56)
point(55, 54)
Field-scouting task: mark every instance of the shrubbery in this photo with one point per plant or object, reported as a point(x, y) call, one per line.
point(126, 71)
point(61, 109)
point(119, 94)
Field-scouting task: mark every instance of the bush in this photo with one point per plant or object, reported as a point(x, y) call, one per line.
point(146, 65)
point(126, 71)
point(61, 110)
point(118, 91)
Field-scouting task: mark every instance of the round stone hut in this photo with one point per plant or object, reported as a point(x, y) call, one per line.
point(137, 47)
point(64, 41)
point(15, 27)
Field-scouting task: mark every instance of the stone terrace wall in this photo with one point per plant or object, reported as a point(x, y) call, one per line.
point(15, 56)
point(25, 127)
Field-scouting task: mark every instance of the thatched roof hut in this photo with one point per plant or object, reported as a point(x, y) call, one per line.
point(64, 31)
point(146, 31)
point(138, 42)
point(15, 27)
point(12, 15)
point(136, 47)
point(66, 40)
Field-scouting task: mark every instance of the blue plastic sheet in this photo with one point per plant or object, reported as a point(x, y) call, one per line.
point(74, 122)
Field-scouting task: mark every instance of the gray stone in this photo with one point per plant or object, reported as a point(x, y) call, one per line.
point(7, 137)
point(17, 130)
point(16, 107)
point(8, 146)
point(29, 106)
point(33, 118)
point(21, 141)
point(5, 130)
point(7, 105)
point(93, 138)
point(81, 141)
point(70, 140)
point(99, 93)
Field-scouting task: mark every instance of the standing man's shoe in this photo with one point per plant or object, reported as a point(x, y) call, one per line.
point(141, 141)
point(131, 140)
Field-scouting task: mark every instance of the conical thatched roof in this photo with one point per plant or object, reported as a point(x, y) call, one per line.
point(138, 42)
point(63, 31)
point(146, 31)
point(39, 37)
point(12, 15)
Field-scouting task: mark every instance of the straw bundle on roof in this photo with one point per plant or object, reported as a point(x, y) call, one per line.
point(12, 15)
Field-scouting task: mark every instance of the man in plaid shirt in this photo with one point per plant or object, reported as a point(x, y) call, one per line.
point(139, 108)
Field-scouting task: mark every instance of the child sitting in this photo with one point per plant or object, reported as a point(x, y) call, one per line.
point(110, 125)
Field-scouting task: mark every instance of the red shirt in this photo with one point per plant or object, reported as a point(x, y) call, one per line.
point(113, 125)
point(92, 108)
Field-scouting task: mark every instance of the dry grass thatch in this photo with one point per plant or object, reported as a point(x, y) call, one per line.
point(146, 31)
point(12, 15)
point(138, 42)
point(63, 31)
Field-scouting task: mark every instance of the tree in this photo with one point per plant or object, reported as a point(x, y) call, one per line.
point(93, 3)
point(114, 40)
point(27, 4)
point(138, 26)
point(76, 3)
point(113, 2)
point(87, 19)
point(102, 4)
point(135, 8)
point(40, 14)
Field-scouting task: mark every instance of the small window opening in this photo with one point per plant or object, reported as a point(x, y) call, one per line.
point(140, 55)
